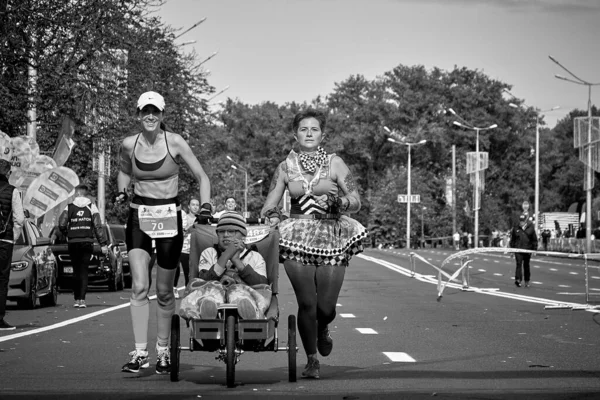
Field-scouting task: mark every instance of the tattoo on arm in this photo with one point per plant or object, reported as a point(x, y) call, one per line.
point(349, 182)
point(353, 205)
point(280, 168)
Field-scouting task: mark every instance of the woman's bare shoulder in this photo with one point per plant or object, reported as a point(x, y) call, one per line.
point(129, 142)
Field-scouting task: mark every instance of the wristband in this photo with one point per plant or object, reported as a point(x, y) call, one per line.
point(273, 212)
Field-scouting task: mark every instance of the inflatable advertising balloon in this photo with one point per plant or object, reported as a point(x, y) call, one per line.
point(49, 189)
point(21, 179)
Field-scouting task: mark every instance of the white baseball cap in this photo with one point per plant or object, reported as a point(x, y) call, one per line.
point(151, 98)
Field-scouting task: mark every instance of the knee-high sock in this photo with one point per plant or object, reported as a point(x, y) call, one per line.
point(140, 314)
point(164, 314)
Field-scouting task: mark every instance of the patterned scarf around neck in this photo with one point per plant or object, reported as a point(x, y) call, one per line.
point(310, 161)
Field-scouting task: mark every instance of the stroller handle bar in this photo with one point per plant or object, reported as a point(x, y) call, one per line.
point(251, 221)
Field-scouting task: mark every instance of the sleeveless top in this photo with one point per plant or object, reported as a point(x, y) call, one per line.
point(300, 202)
point(157, 180)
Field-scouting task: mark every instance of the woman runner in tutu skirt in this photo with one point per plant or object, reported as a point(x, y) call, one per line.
point(318, 240)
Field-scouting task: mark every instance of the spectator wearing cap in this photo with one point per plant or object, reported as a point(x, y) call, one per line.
point(11, 222)
point(523, 236)
point(228, 273)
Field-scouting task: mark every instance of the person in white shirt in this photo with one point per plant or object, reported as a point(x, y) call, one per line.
point(184, 259)
point(230, 206)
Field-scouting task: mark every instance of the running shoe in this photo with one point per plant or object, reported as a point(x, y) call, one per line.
point(246, 309)
point(138, 359)
point(324, 342)
point(163, 361)
point(176, 293)
point(5, 326)
point(208, 309)
point(517, 283)
point(312, 369)
point(82, 304)
point(526, 283)
point(76, 304)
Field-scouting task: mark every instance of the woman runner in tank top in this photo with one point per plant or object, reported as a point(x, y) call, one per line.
point(151, 158)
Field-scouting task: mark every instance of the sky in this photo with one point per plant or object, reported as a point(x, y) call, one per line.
point(296, 50)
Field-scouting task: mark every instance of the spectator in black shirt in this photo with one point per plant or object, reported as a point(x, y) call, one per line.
point(80, 222)
point(523, 236)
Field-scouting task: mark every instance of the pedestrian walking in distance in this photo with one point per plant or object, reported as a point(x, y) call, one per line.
point(80, 222)
point(523, 236)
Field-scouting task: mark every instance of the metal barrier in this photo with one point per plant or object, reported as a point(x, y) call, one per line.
point(465, 275)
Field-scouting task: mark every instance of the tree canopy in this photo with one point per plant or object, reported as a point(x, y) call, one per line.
point(93, 58)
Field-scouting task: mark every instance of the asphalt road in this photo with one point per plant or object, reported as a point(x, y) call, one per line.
point(393, 339)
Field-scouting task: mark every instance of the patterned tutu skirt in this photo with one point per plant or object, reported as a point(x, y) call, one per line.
point(321, 241)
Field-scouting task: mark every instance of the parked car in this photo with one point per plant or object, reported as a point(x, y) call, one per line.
point(103, 269)
point(33, 271)
point(118, 231)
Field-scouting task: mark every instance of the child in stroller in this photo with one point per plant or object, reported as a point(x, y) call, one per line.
point(228, 273)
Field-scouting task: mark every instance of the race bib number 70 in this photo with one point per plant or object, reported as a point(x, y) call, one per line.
point(158, 221)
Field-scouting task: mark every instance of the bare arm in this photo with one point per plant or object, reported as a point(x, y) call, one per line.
point(18, 214)
point(345, 181)
point(185, 152)
point(278, 185)
point(124, 176)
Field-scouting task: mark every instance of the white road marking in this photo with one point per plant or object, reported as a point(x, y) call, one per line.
point(399, 357)
point(537, 283)
point(497, 274)
point(481, 270)
point(338, 305)
point(574, 273)
point(571, 294)
point(366, 331)
point(564, 286)
point(509, 295)
point(347, 316)
point(553, 269)
point(67, 322)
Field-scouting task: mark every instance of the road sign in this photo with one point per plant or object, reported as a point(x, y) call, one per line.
point(414, 198)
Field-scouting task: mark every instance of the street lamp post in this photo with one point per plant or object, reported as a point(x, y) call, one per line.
point(245, 187)
point(467, 125)
point(588, 145)
point(237, 166)
point(423, 226)
point(409, 145)
point(536, 205)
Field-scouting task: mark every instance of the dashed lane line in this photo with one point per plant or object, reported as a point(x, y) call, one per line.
point(399, 357)
point(367, 331)
point(347, 316)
